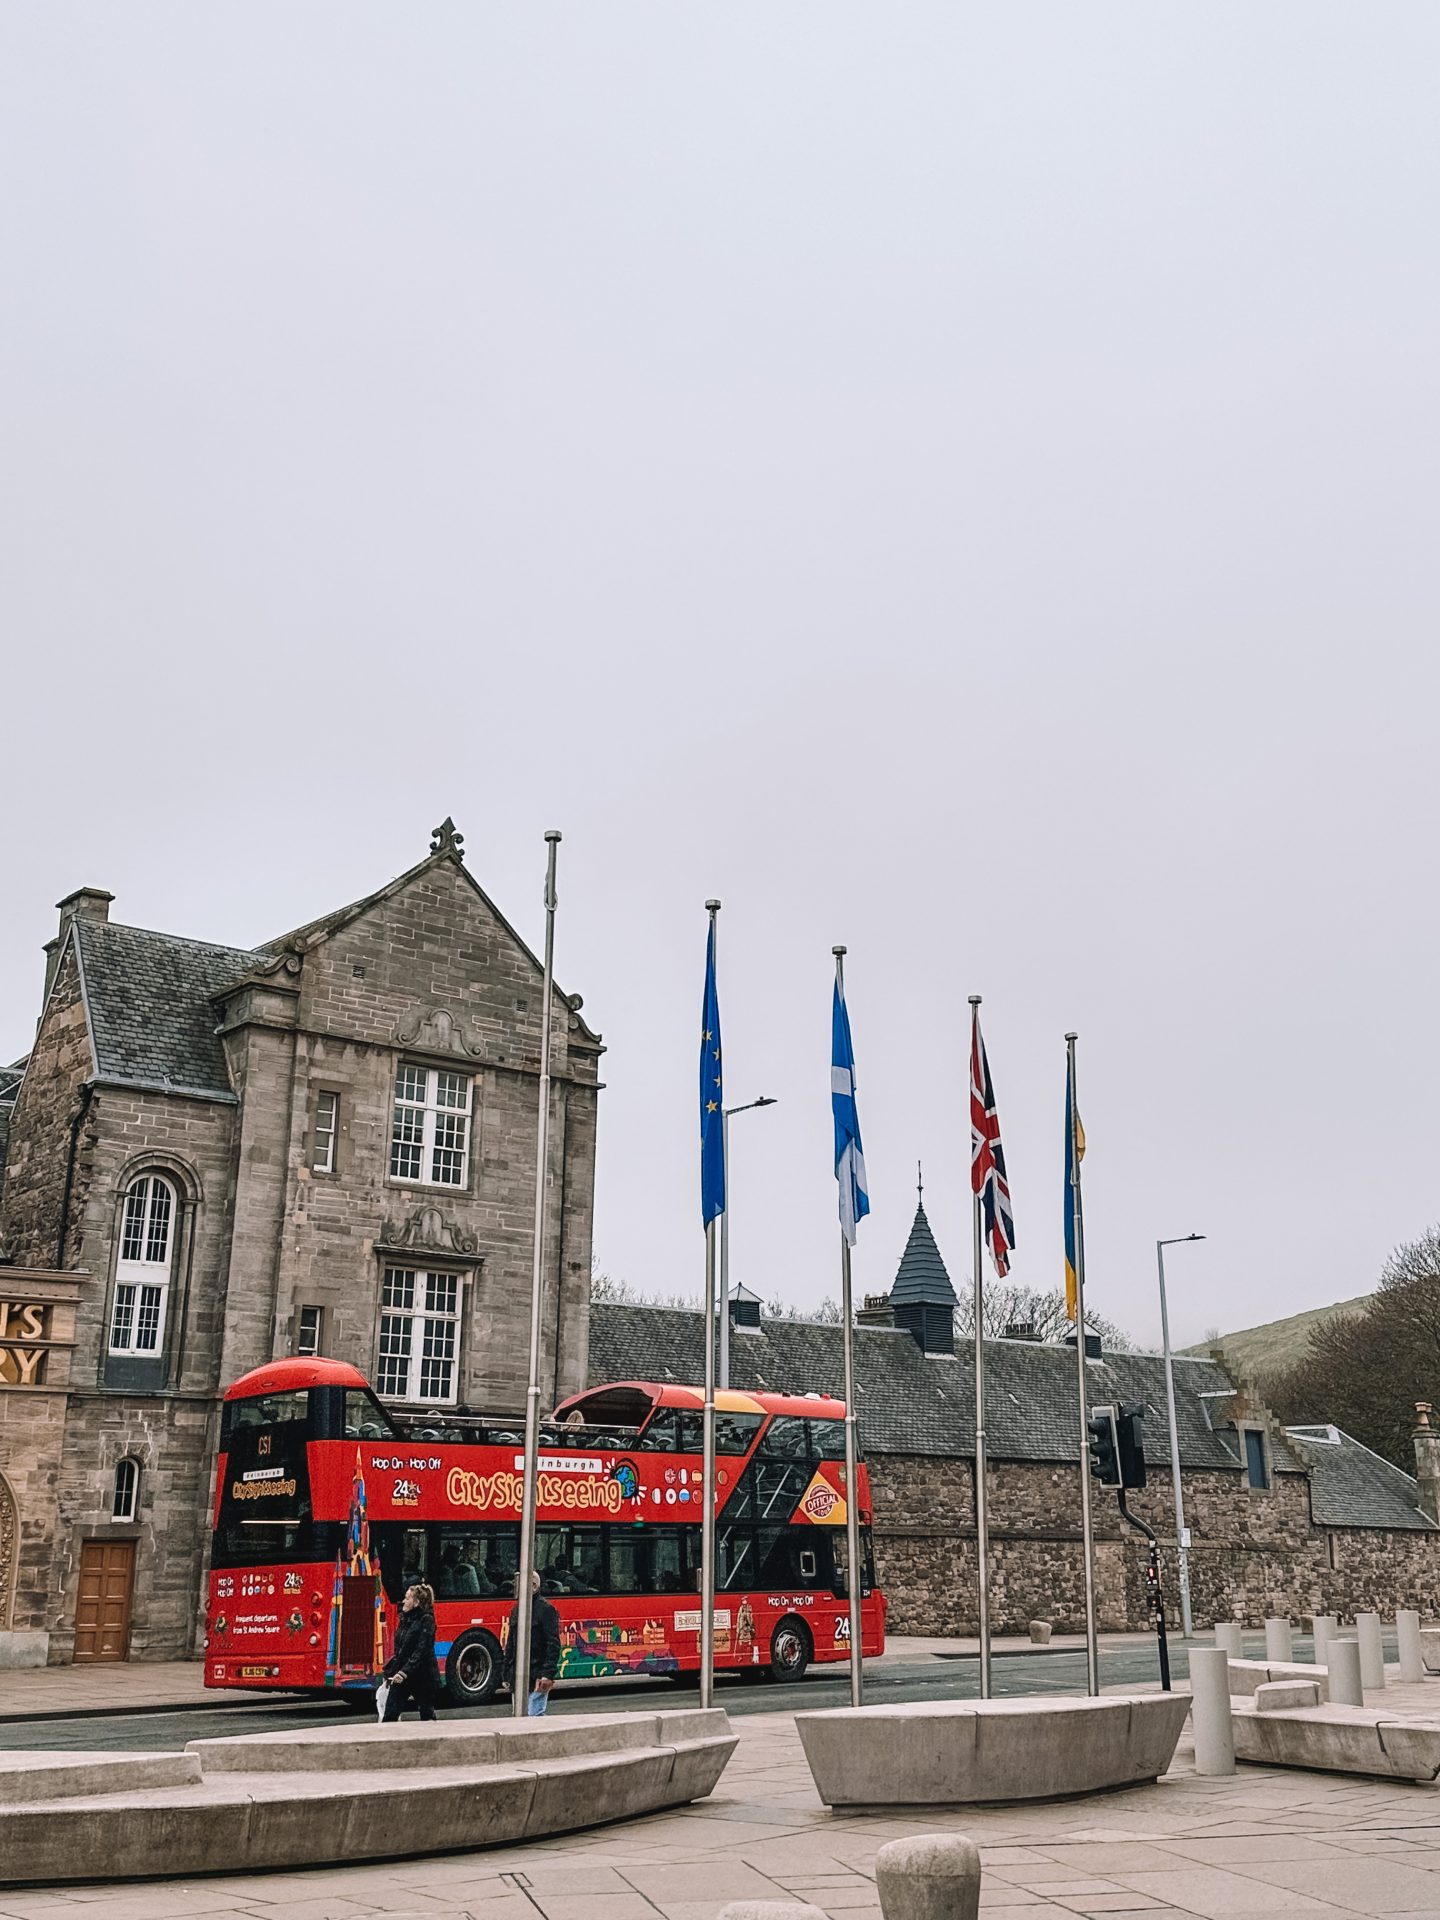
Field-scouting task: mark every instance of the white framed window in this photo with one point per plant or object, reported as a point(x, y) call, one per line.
point(419, 1335)
point(430, 1131)
point(126, 1502)
point(327, 1125)
point(142, 1274)
point(310, 1331)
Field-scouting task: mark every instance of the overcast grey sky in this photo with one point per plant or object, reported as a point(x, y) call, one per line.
point(957, 480)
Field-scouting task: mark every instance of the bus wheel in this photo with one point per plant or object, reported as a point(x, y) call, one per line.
point(789, 1649)
point(472, 1669)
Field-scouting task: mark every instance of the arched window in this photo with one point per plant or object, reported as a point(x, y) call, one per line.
point(126, 1503)
point(142, 1277)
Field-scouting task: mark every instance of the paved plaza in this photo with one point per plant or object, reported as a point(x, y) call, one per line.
point(1262, 1843)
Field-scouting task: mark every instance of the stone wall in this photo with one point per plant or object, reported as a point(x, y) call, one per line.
point(1252, 1554)
point(40, 1128)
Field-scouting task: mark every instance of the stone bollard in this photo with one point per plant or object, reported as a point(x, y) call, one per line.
point(1324, 1626)
point(1210, 1710)
point(1040, 1632)
point(932, 1876)
point(1227, 1635)
point(1407, 1631)
point(1279, 1642)
point(1343, 1662)
point(1372, 1650)
point(770, 1910)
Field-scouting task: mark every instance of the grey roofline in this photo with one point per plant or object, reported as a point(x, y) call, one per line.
point(176, 1087)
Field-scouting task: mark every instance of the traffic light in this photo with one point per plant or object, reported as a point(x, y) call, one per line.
point(1129, 1434)
point(1104, 1446)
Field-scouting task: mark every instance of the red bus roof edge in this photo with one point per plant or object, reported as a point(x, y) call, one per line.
point(291, 1376)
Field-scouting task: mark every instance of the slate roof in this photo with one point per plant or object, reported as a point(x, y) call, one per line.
point(917, 1403)
point(1352, 1487)
point(921, 1278)
point(149, 997)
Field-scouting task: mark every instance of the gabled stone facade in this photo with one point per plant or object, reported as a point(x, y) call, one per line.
point(234, 1112)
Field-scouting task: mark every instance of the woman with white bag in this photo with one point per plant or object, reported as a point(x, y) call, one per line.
point(412, 1673)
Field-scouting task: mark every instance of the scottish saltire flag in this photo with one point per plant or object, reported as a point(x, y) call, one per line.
point(987, 1156)
point(712, 1096)
point(849, 1154)
point(1074, 1154)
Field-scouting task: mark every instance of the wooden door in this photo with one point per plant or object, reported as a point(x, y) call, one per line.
point(107, 1586)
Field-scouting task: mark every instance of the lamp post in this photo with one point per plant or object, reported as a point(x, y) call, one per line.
point(763, 1101)
point(1182, 1547)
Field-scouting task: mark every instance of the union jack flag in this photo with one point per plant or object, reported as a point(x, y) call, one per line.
point(987, 1156)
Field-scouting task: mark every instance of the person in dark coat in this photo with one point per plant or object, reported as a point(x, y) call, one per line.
point(412, 1670)
point(544, 1645)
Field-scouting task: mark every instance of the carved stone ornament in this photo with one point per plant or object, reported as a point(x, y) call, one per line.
point(444, 839)
point(9, 1550)
point(436, 1030)
point(426, 1230)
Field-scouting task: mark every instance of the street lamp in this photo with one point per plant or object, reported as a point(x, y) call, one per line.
point(763, 1101)
point(1182, 1543)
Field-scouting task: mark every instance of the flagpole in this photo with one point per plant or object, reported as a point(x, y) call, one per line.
point(520, 1683)
point(707, 1461)
point(852, 1451)
point(1092, 1652)
point(982, 1514)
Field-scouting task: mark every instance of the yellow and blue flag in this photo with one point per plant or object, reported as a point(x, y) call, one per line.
point(1074, 1154)
point(712, 1096)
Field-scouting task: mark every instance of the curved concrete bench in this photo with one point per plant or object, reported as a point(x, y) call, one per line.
point(348, 1793)
point(1247, 1675)
point(932, 1753)
point(1332, 1739)
point(1430, 1648)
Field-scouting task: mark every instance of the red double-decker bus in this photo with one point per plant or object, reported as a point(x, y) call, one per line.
point(327, 1509)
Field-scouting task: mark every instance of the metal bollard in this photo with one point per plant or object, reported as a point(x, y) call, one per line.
point(1372, 1650)
point(1279, 1642)
point(932, 1876)
point(1210, 1711)
point(1343, 1662)
point(770, 1910)
point(1407, 1632)
point(1325, 1626)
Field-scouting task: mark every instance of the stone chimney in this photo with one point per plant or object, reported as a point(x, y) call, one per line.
point(86, 903)
point(1427, 1459)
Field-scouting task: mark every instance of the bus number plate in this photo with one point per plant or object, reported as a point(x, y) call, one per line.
point(252, 1673)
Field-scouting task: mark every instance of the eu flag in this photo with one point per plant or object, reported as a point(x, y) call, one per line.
point(1074, 1154)
point(712, 1096)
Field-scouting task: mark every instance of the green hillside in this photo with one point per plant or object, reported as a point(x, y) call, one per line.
point(1254, 1352)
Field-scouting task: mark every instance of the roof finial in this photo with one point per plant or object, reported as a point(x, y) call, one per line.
point(920, 1182)
point(444, 839)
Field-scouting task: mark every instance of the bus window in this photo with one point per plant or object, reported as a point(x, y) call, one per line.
point(570, 1559)
point(652, 1560)
point(785, 1439)
point(735, 1431)
point(659, 1436)
point(402, 1556)
point(267, 1410)
point(691, 1428)
point(735, 1557)
point(365, 1419)
point(827, 1438)
point(462, 1570)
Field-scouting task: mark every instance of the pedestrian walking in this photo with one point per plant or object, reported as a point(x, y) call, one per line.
point(544, 1646)
point(412, 1670)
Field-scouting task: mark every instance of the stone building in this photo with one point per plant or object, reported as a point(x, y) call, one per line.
point(217, 1155)
point(1292, 1522)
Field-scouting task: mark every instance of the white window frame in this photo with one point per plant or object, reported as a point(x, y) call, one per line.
point(125, 1489)
point(429, 1128)
point(316, 1329)
point(149, 1221)
point(323, 1137)
point(418, 1346)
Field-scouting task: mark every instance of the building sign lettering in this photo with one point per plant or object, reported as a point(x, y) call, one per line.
point(22, 1323)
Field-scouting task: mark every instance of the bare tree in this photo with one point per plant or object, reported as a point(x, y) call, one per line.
point(1365, 1371)
point(1007, 1304)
